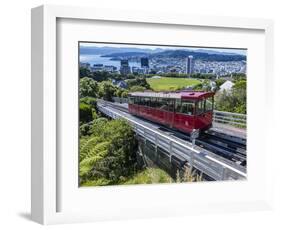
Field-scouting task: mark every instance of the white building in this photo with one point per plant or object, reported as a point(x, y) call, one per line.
point(227, 86)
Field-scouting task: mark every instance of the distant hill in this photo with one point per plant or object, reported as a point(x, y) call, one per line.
point(215, 52)
point(199, 55)
point(127, 54)
point(111, 50)
point(117, 53)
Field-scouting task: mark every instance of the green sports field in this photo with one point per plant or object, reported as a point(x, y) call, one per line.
point(170, 84)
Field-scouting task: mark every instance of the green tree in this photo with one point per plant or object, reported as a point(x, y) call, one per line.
point(234, 100)
point(89, 101)
point(88, 87)
point(107, 90)
point(140, 81)
point(220, 81)
point(239, 76)
point(124, 94)
point(98, 125)
point(137, 88)
point(119, 92)
point(84, 72)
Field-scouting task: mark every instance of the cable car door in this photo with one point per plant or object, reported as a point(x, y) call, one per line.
point(169, 114)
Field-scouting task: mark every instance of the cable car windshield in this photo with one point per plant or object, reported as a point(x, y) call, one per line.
point(205, 105)
point(131, 100)
point(186, 107)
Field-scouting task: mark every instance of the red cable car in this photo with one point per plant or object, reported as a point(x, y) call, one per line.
point(184, 111)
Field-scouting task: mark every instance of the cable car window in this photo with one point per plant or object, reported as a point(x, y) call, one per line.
point(141, 101)
point(178, 106)
point(165, 104)
point(153, 102)
point(200, 107)
point(146, 101)
point(131, 100)
point(171, 105)
point(209, 102)
point(187, 107)
point(159, 103)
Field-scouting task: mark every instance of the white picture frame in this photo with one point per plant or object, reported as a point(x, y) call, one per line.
point(45, 166)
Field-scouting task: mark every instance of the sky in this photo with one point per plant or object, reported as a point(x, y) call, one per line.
point(228, 50)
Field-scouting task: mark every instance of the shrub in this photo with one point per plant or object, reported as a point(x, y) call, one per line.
point(137, 88)
point(85, 129)
point(140, 81)
point(85, 113)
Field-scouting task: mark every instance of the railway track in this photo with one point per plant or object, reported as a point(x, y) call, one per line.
point(227, 146)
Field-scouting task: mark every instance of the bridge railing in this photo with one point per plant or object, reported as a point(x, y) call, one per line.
point(234, 119)
point(120, 99)
point(196, 159)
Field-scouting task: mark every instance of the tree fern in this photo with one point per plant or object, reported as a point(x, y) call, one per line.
point(92, 155)
point(87, 145)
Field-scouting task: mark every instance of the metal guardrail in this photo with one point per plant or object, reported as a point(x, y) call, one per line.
point(120, 99)
point(201, 161)
point(236, 119)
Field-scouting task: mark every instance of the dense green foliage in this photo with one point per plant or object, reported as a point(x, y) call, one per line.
point(85, 113)
point(107, 156)
point(150, 176)
point(88, 87)
point(89, 101)
point(233, 101)
point(139, 81)
point(220, 81)
point(107, 90)
point(84, 72)
point(239, 76)
point(100, 76)
point(121, 92)
point(137, 88)
point(204, 85)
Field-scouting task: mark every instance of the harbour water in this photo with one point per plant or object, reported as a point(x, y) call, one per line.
point(98, 59)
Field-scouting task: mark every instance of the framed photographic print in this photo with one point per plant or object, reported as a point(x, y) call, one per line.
point(137, 114)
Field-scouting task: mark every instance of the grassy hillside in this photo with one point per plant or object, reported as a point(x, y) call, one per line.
point(150, 176)
point(169, 83)
point(147, 176)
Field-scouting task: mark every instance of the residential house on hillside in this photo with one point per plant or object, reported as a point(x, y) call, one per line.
point(227, 86)
point(120, 84)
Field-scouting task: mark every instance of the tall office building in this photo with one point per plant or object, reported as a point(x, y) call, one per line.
point(144, 62)
point(189, 65)
point(124, 67)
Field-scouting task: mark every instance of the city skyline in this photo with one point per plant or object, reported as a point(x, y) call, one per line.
point(129, 59)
